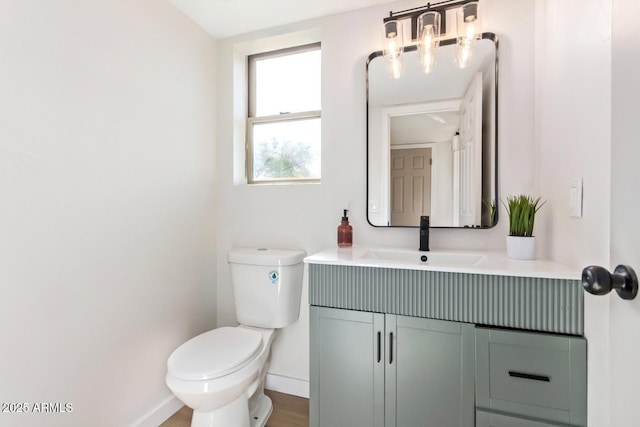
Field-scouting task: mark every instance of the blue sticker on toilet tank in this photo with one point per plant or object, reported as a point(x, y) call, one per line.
point(274, 276)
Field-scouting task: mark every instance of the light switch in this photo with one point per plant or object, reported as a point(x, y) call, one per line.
point(575, 198)
point(373, 206)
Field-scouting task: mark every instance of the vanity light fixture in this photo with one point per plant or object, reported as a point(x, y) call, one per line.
point(428, 23)
point(469, 30)
point(393, 46)
point(428, 38)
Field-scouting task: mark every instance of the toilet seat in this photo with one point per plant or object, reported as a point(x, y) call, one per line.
point(215, 353)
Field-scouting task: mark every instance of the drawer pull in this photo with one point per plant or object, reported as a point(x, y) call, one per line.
point(533, 377)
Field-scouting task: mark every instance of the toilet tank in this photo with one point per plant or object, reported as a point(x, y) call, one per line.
point(267, 285)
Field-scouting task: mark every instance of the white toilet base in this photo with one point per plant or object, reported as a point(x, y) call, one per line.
point(260, 408)
point(242, 412)
point(234, 414)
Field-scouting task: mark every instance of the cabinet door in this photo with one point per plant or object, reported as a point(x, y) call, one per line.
point(429, 373)
point(347, 368)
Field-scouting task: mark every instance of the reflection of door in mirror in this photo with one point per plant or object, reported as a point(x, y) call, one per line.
point(410, 185)
point(429, 126)
point(468, 158)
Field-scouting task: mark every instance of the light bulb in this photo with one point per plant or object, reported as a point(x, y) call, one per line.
point(428, 34)
point(469, 30)
point(469, 24)
point(392, 39)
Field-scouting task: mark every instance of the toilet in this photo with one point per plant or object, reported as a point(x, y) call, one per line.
point(220, 373)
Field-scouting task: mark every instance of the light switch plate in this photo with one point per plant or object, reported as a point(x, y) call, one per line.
point(575, 198)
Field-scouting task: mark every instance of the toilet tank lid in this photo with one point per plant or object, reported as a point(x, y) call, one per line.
point(266, 256)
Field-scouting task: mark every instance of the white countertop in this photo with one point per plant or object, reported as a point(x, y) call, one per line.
point(490, 263)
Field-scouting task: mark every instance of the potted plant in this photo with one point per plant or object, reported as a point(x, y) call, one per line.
point(522, 209)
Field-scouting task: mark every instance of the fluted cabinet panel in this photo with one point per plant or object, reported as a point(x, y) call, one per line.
point(541, 304)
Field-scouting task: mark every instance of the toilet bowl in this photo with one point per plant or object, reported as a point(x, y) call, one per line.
point(220, 373)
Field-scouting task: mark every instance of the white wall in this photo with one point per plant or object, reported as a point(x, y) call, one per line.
point(306, 216)
point(573, 125)
point(573, 139)
point(107, 226)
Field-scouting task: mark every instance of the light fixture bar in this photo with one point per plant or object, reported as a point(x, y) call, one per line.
point(428, 25)
point(413, 14)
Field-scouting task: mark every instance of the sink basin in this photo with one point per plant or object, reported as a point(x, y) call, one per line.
point(417, 257)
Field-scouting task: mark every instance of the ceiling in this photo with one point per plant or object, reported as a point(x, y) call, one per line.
point(424, 128)
point(226, 18)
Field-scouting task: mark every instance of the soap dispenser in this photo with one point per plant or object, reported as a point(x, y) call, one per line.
point(345, 232)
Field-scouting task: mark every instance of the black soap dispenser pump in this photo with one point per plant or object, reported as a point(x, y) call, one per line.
point(345, 232)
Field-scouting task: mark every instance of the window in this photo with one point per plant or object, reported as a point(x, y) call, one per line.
point(283, 127)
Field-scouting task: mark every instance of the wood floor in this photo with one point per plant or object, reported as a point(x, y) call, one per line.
point(288, 411)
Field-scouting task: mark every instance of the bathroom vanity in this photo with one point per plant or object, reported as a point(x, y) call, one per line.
point(458, 339)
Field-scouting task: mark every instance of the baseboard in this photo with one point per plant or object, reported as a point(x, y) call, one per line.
point(288, 385)
point(160, 413)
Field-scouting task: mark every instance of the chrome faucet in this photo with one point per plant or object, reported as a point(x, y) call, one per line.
point(424, 233)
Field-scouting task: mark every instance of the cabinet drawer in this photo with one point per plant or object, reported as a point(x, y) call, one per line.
point(534, 375)
point(488, 419)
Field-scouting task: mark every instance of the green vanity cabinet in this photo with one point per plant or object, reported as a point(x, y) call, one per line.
point(395, 347)
point(373, 369)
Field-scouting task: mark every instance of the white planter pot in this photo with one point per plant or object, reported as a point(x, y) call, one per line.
point(521, 247)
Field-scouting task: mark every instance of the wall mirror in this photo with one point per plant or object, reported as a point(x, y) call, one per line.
point(432, 139)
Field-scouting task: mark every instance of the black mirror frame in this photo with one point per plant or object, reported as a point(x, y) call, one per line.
point(485, 36)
